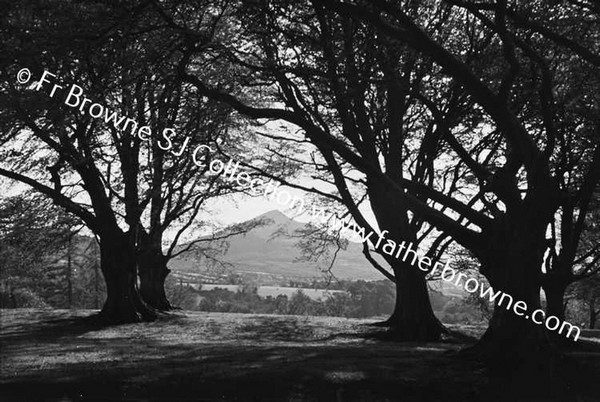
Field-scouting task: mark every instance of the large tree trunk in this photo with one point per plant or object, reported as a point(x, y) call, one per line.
point(118, 264)
point(555, 298)
point(153, 272)
point(519, 352)
point(521, 360)
point(413, 318)
point(555, 281)
point(511, 336)
point(555, 287)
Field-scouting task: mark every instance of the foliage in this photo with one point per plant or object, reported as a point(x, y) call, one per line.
point(583, 302)
point(42, 261)
point(360, 299)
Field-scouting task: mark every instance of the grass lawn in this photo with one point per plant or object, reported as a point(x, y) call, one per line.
point(54, 355)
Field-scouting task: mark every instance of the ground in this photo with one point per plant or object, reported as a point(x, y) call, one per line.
point(55, 355)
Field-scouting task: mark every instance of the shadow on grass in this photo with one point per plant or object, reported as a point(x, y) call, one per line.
point(64, 324)
point(233, 357)
point(152, 370)
point(277, 329)
point(39, 327)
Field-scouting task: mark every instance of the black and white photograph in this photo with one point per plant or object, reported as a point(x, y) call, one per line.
point(300, 200)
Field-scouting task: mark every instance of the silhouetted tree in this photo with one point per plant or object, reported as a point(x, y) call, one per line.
point(127, 182)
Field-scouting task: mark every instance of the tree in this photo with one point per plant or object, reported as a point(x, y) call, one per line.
point(33, 237)
point(520, 91)
point(126, 179)
point(573, 250)
point(497, 90)
point(587, 293)
point(299, 304)
point(353, 121)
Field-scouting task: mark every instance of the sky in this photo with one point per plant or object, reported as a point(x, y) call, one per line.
point(241, 208)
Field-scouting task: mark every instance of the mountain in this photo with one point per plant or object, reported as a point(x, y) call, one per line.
point(270, 251)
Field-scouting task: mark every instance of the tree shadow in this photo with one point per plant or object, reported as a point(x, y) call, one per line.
point(233, 357)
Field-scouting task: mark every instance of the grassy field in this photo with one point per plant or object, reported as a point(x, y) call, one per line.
point(54, 355)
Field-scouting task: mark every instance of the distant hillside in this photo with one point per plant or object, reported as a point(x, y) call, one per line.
point(263, 253)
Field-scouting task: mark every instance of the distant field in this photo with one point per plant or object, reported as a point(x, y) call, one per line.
point(274, 291)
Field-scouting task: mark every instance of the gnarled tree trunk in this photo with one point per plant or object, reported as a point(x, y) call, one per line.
point(153, 271)
point(519, 352)
point(555, 297)
point(413, 318)
point(118, 264)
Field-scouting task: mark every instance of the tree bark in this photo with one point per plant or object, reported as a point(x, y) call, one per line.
point(520, 355)
point(521, 360)
point(153, 271)
point(413, 318)
point(118, 264)
point(555, 298)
